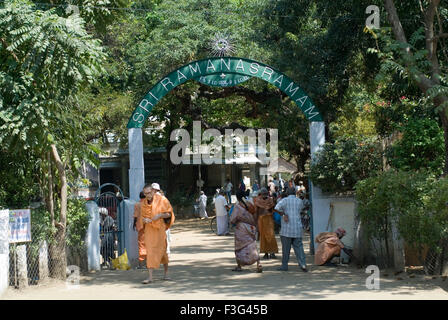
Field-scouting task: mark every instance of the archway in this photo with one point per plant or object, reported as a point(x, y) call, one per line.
point(224, 72)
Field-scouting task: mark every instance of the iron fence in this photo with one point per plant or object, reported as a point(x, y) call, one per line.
point(43, 258)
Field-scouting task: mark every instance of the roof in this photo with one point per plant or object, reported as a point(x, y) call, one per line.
point(280, 165)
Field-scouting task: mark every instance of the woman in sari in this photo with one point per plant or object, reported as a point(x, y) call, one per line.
point(265, 205)
point(243, 216)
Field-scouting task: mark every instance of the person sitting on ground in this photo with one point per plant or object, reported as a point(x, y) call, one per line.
point(330, 246)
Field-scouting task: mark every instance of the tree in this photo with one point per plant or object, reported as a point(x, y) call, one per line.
point(422, 57)
point(44, 59)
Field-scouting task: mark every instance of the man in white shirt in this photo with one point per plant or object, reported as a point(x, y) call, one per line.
point(222, 218)
point(291, 229)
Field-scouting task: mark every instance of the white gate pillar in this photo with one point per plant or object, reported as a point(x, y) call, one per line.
point(320, 204)
point(136, 163)
point(4, 250)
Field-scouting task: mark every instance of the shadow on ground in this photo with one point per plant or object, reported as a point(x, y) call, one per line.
point(203, 263)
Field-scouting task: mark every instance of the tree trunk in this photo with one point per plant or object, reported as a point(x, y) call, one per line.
point(444, 120)
point(57, 248)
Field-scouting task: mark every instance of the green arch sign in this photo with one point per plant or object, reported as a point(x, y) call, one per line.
point(223, 72)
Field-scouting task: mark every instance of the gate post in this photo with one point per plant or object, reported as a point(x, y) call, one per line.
point(136, 163)
point(93, 237)
point(4, 250)
point(320, 205)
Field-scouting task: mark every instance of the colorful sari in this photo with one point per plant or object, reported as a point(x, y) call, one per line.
point(268, 243)
point(245, 235)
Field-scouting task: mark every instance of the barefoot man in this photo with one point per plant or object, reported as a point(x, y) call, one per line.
point(157, 216)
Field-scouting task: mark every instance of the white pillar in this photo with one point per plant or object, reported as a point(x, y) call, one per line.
point(4, 250)
point(93, 237)
point(129, 234)
point(43, 261)
point(22, 269)
point(320, 205)
point(136, 163)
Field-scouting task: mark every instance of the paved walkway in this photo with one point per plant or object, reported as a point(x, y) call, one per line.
point(201, 266)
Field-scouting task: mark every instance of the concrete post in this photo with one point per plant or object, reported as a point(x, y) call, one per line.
point(43, 261)
point(4, 250)
point(93, 237)
point(398, 245)
point(22, 271)
point(136, 163)
point(129, 235)
point(320, 205)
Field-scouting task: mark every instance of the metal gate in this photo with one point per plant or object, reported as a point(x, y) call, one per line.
point(111, 222)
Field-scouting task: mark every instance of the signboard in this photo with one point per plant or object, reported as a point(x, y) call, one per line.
point(19, 225)
point(223, 72)
point(223, 79)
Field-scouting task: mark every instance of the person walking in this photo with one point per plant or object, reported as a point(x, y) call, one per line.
point(138, 226)
point(202, 206)
point(156, 186)
point(255, 186)
point(157, 216)
point(229, 187)
point(265, 205)
point(291, 229)
point(107, 225)
point(222, 218)
point(243, 216)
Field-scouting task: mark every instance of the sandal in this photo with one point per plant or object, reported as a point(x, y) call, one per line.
point(259, 269)
point(147, 281)
point(167, 279)
point(237, 269)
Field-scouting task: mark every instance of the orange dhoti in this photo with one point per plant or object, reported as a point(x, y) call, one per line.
point(268, 243)
point(141, 245)
point(154, 232)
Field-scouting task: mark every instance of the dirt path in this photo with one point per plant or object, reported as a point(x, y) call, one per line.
point(201, 266)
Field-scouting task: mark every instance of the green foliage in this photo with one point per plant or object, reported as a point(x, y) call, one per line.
point(18, 185)
point(421, 146)
point(77, 223)
point(340, 165)
point(44, 60)
point(415, 200)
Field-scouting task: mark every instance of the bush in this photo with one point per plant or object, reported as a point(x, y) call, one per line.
point(340, 165)
point(416, 200)
point(422, 146)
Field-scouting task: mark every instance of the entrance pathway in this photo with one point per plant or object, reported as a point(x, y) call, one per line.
point(201, 266)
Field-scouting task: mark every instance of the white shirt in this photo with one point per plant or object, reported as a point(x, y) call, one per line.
point(220, 206)
point(203, 200)
point(229, 187)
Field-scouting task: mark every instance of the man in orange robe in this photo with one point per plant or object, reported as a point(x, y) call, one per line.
point(265, 205)
point(157, 216)
point(329, 246)
point(138, 225)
